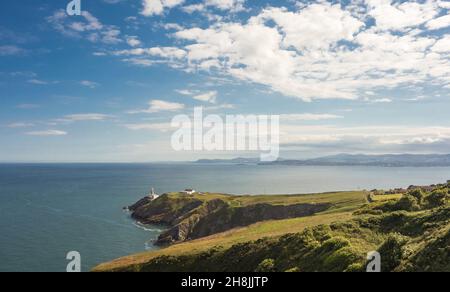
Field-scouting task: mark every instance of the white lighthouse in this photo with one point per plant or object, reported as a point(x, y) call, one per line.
point(153, 195)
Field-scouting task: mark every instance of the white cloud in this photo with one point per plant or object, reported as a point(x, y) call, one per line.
point(112, 1)
point(111, 36)
point(308, 117)
point(381, 100)
point(210, 97)
point(172, 26)
point(140, 62)
point(444, 4)
point(28, 74)
point(219, 107)
point(442, 46)
point(194, 8)
point(11, 50)
point(255, 52)
point(133, 41)
point(82, 118)
point(438, 23)
point(47, 133)
point(27, 106)
point(147, 57)
point(235, 5)
point(163, 127)
point(159, 106)
point(157, 7)
point(230, 5)
point(90, 84)
point(20, 125)
point(99, 54)
point(399, 16)
point(37, 82)
point(303, 31)
point(382, 138)
point(185, 91)
point(338, 57)
point(342, 56)
point(88, 27)
point(162, 52)
point(167, 52)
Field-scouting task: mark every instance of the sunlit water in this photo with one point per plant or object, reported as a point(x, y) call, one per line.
point(48, 210)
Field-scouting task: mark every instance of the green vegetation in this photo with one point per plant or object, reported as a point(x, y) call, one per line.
point(411, 232)
point(200, 215)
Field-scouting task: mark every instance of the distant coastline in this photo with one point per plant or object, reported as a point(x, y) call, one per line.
point(388, 160)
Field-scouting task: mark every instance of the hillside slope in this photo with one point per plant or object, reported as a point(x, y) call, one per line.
point(194, 216)
point(411, 233)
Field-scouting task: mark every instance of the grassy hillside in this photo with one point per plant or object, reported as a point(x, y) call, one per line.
point(195, 216)
point(411, 232)
point(342, 206)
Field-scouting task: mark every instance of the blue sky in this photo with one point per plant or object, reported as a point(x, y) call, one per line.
point(359, 76)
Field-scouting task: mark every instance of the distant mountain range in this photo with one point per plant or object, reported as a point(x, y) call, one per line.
point(391, 160)
point(238, 160)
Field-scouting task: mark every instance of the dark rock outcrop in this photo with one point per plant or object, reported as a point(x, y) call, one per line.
point(163, 210)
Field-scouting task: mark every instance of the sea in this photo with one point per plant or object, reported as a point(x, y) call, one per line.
point(49, 210)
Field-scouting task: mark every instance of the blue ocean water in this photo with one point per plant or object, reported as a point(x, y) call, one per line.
point(47, 210)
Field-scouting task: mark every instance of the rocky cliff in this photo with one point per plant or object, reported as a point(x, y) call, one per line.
point(192, 217)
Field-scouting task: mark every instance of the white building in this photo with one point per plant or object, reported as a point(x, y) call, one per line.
point(153, 195)
point(189, 192)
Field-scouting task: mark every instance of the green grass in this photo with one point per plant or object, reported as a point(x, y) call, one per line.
point(381, 198)
point(410, 239)
point(344, 203)
point(338, 199)
point(227, 239)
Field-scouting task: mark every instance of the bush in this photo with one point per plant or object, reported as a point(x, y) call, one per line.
point(437, 198)
point(266, 266)
point(392, 252)
point(355, 268)
point(333, 244)
point(341, 259)
point(408, 203)
point(418, 194)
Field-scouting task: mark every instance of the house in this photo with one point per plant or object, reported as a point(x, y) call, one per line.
point(189, 191)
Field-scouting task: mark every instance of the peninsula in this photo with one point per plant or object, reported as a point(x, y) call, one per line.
point(296, 233)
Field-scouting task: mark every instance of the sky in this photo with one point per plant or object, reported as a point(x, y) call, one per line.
point(354, 76)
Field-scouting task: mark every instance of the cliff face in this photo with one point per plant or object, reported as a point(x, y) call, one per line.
point(184, 227)
point(230, 217)
point(189, 217)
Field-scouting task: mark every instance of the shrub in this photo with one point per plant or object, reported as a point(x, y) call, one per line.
point(355, 268)
point(437, 198)
point(392, 252)
point(334, 244)
point(408, 203)
point(418, 194)
point(341, 259)
point(266, 266)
